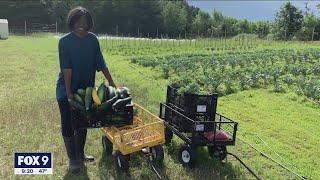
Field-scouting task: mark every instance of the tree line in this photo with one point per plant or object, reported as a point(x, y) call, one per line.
point(172, 18)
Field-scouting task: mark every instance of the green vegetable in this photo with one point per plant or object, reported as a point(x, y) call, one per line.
point(88, 98)
point(78, 99)
point(106, 106)
point(121, 102)
point(119, 94)
point(126, 91)
point(111, 92)
point(101, 92)
point(76, 105)
point(81, 92)
point(123, 92)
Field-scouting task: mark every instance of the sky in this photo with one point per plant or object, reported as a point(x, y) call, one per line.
point(251, 10)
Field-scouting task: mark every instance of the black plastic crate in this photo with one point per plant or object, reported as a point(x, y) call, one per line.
point(193, 131)
point(173, 117)
point(120, 117)
point(195, 106)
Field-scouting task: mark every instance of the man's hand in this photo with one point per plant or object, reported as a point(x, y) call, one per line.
point(112, 84)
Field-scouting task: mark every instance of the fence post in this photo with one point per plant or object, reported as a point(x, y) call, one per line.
point(157, 33)
point(121, 39)
point(117, 30)
point(225, 38)
point(56, 27)
point(107, 41)
point(313, 33)
point(25, 27)
point(211, 38)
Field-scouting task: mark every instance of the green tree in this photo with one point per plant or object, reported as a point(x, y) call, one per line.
point(262, 29)
point(310, 26)
point(201, 22)
point(288, 21)
point(191, 14)
point(242, 26)
point(174, 17)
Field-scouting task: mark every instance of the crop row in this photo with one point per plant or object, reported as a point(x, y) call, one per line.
point(231, 72)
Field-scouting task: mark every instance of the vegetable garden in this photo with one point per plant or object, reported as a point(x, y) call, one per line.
point(227, 73)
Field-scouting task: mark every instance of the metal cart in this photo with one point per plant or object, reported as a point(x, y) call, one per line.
point(193, 118)
point(146, 134)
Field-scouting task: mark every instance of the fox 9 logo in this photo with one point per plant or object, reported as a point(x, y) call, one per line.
point(32, 163)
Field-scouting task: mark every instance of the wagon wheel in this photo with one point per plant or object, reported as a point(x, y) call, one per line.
point(187, 155)
point(218, 151)
point(157, 154)
point(168, 135)
point(107, 145)
point(122, 162)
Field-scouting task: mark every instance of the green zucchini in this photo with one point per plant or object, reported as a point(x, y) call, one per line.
point(106, 93)
point(121, 102)
point(123, 92)
point(81, 92)
point(126, 91)
point(101, 92)
point(88, 98)
point(111, 92)
point(76, 105)
point(106, 106)
point(78, 99)
point(119, 94)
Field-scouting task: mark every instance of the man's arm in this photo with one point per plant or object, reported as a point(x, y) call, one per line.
point(107, 75)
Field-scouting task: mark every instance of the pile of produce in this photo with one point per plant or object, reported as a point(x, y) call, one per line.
point(96, 102)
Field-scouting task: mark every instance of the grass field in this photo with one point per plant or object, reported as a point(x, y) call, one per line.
point(30, 121)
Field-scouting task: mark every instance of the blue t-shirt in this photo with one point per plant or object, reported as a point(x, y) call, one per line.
point(84, 57)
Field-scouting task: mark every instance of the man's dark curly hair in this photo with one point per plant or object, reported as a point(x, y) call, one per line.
point(75, 14)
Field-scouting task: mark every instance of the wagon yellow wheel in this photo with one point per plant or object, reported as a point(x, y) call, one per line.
point(107, 145)
point(122, 162)
point(157, 154)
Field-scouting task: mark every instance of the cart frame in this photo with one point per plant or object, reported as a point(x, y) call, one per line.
point(146, 134)
point(176, 123)
point(214, 126)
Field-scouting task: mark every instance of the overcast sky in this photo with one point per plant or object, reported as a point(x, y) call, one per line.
point(251, 10)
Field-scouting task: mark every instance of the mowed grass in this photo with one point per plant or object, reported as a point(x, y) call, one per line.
point(30, 121)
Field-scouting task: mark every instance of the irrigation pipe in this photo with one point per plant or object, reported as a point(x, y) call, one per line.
point(266, 144)
point(270, 158)
point(249, 169)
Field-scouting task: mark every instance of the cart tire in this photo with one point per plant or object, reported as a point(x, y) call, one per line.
point(122, 162)
point(107, 145)
point(168, 135)
point(157, 154)
point(187, 155)
point(218, 151)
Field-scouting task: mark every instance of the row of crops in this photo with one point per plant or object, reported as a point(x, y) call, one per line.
point(144, 46)
point(227, 73)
